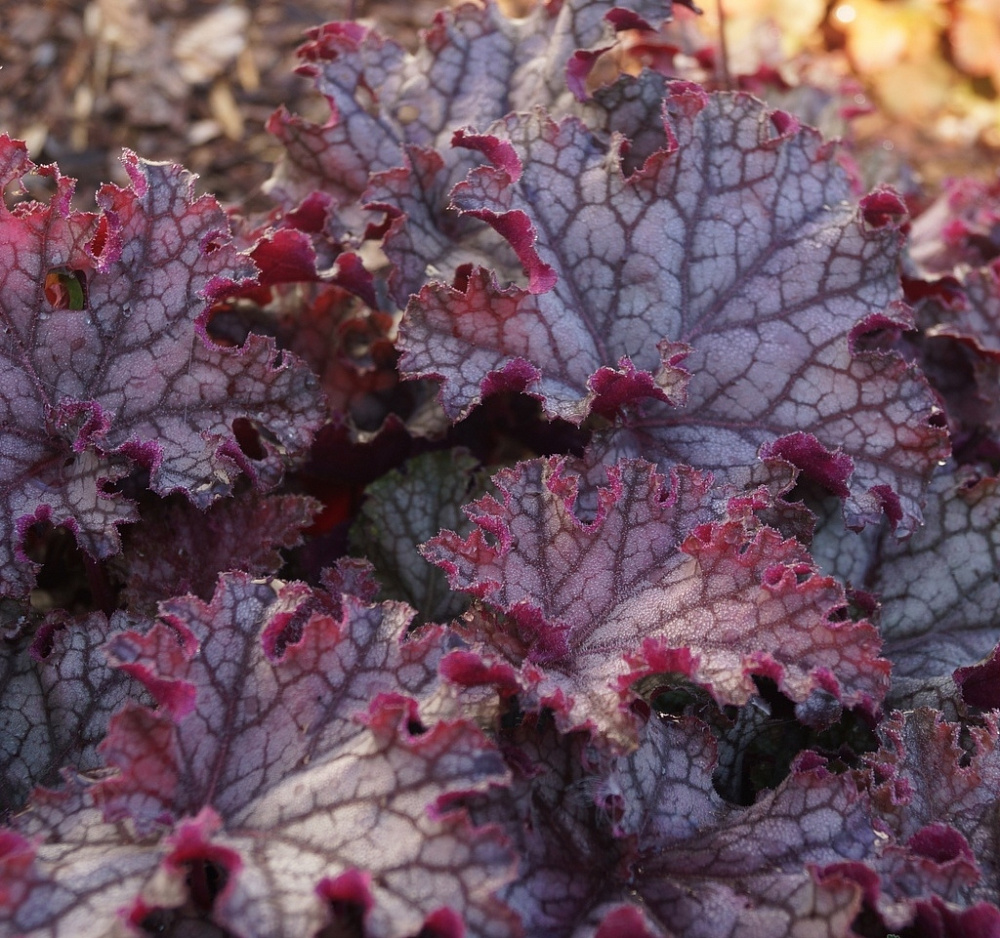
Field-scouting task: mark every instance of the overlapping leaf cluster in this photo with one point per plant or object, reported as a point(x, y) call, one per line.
point(670, 611)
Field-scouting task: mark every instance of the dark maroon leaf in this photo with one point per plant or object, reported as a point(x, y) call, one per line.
point(349, 346)
point(244, 533)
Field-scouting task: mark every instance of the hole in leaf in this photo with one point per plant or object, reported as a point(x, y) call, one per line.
point(65, 288)
point(508, 426)
point(415, 727)
point(230, 321)
point(205, 880)
point(868, 924)
point(968, 746)
point(348, 921)
point(512, 716)
point(248, 439)
point(674, 695)
point(175, 923)
point(44, 641)
point(158, 922)
point(757, 751)
point(349, 900)
point(881, 774)
point(367, 98)
point(66, 580)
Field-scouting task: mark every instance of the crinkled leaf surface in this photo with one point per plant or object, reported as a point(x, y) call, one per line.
point(403, 509)
point(931, 774)
point(104, 359)
point(427, 239)
point(393, 114)
point(738, 241)
point(973, 317)
point(57, 694)
point(649, 587)
point(472, 66)
point(76, 885)
point(961, 228)
point(274, 755)
point(939, 590)
point(243, 532)
point(260, 661)
point(650, 843)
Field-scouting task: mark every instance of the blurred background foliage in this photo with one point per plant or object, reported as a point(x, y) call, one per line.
point(913, 84)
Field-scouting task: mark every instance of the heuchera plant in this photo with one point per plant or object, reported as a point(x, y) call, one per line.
point(573, 511)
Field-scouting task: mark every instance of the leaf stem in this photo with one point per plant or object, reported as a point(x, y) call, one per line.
point(724, 77)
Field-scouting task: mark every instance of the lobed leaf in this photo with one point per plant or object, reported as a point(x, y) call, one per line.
point(646, 847)
point(57, 695)
point(649, 587)
point(473, 64)
point(938, 793)
point(281, 755)
point(736, 249)
point(939, 589)
point(106, 363)
point(387, 143)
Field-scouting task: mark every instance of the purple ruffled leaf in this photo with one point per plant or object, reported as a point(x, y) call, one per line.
point(254, 641)
point(739, 242)
point(57, 694)
point(387, 144)
point(106, 361)
point(241, 533)
point(282, 755)
point(960, 353)
point(938, 590)
point(77, 885)
point(472, 66)
point(961, 228)
point(646, 845)
point(648, 588)
point(934, 785)
point(972, 314)
point(925, 775)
